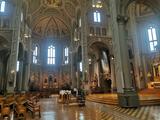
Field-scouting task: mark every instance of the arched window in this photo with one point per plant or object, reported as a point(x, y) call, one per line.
point(51, 55)
point(66, 55)
point(2, 5)
point(153, 41)
point(17, 68)
point(35, 55)
point(97, 16)
point(80, 67)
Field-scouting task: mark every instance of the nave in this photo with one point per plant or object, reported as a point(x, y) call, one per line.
point(52, 110)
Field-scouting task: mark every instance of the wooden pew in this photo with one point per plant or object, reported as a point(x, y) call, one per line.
point(5, 112)
point(10, 102)
point(20, 111)
point(33, 107)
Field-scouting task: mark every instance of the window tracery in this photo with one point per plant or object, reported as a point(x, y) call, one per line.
point(51, 55)
point(2, 5)
point(152, 36)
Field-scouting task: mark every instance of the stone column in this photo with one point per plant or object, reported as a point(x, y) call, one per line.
point(72, 59)
point(24, 75)
point(114, 87)
point(145, 70)
point(3, 68)
point(123, 78)
point(126, 96)
point(28, 63)
point(136, 45)
point(1, 71)
point(84, 44)
point(11, 84)
point(73, 70)
point(124, 51)
point(20, 76)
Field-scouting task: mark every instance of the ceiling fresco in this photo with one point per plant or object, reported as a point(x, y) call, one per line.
point(51, 27)
point(52, 17)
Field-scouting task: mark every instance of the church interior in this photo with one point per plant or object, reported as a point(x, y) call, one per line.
point(100, 56)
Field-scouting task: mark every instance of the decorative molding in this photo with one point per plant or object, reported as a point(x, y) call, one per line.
point(105, 40)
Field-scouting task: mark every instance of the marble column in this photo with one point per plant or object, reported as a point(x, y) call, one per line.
point(73, 71)
point(11, 84)
point(112, 64)
point(19, 82)
point(136, 45)
point(84, 44)
point(72, 59)
point(123, 77)
point(24, 76)
point(145, 70)
point(1, 71)
point(28, 64)
point(124, 51)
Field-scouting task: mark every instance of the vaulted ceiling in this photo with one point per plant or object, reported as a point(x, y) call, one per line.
point(153, 4)
point(52, 17)
point(51, 26)
point(48, 17)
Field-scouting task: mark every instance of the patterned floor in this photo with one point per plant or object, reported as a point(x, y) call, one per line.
point(51, 110)
point(142, 113)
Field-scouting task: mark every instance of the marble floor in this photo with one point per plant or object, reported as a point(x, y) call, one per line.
point(146, 97)
point(52, 110)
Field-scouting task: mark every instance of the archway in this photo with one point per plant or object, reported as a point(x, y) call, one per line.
point(4, 57)
point(99, 67)
point(143, 18)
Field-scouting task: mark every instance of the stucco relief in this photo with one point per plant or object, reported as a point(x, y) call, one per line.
point(53, 3)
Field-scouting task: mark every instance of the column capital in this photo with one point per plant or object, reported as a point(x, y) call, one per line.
point(122, 19)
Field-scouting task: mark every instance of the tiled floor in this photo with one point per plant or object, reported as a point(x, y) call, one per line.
point(142, 113)
point(52, 110)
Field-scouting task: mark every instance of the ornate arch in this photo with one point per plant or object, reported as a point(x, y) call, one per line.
point(153, 4)
point(107, 42)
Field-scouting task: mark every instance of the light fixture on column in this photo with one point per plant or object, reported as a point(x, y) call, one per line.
point(97, 4)
point(12, 71)
point(27, 36)
point(90, 61)
point(112, 57)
